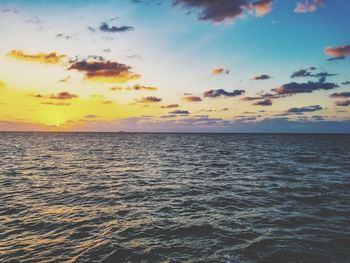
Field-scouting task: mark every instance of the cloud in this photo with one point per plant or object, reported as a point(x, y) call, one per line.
point(215, 11)
point(266, 102)
point(169, 106)
point(342, 103)
point(56, 103)
point(149, 99)
point(301, 73)
point(220, 71)
point(192, 98)
point(293, 87)
point(180, 112)
point(336, 58)
point(50, 58)
point(305, 109)
point(63, 96)
point(307, 6)
point(64, 36)
point(262, 7)
point(168, 116)
point(114, 29)
point(307, 73)
point(340, 95)
point(105, 71)
point(338, 52)
point(141, 87)
point(346, 83)
point(224, 10)
point(261, 77)
point(91, 116)
point(116, 88)
point(9, 10)
point(221, 92)
point(91, 29)
point(65, 79)
point(263, 96)
point(136, 87)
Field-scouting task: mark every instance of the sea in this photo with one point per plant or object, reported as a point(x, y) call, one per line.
point(162, 197)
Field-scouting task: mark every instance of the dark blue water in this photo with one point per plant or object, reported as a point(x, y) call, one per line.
point(75, 197)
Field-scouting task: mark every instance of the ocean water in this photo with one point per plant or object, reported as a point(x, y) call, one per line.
point(104, 197)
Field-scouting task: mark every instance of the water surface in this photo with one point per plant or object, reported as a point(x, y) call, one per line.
point(92, 197)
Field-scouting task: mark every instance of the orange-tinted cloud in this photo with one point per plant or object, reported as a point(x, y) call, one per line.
point(262, 7)
point(220, 71)
point(192, 98)
point(339, 51)
point(104, 71)
point(50, 58)
point(308, 6)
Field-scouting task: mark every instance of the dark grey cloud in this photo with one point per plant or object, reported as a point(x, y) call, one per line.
point(215, 11)
point(180, 112)
point(294, 88)
point(346, 83)
point(149, 99)
point(222, 92)
point(114, 29)
point(307, 73)
point(340, 95)
point(224, 10)
point(342, 103)
point(305, 109)
point(96, 67)
point(262, 77)
point(266, 102)
point(336, 58)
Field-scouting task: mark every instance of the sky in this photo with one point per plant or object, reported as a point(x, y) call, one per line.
point(175, 65)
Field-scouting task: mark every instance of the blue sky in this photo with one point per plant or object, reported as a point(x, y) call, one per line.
point(182, 49)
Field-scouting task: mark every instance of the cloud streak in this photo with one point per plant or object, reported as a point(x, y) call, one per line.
point(294, 88)
point(307, 6)
point(222, 93)
point(305, 109)
point(44, 58)
point(192, 98)
point(149, 99)
point(114, 29)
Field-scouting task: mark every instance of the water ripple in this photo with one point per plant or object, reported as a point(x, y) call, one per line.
point(80, 197)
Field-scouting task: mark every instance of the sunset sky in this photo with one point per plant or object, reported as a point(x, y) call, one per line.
point(175, 65)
